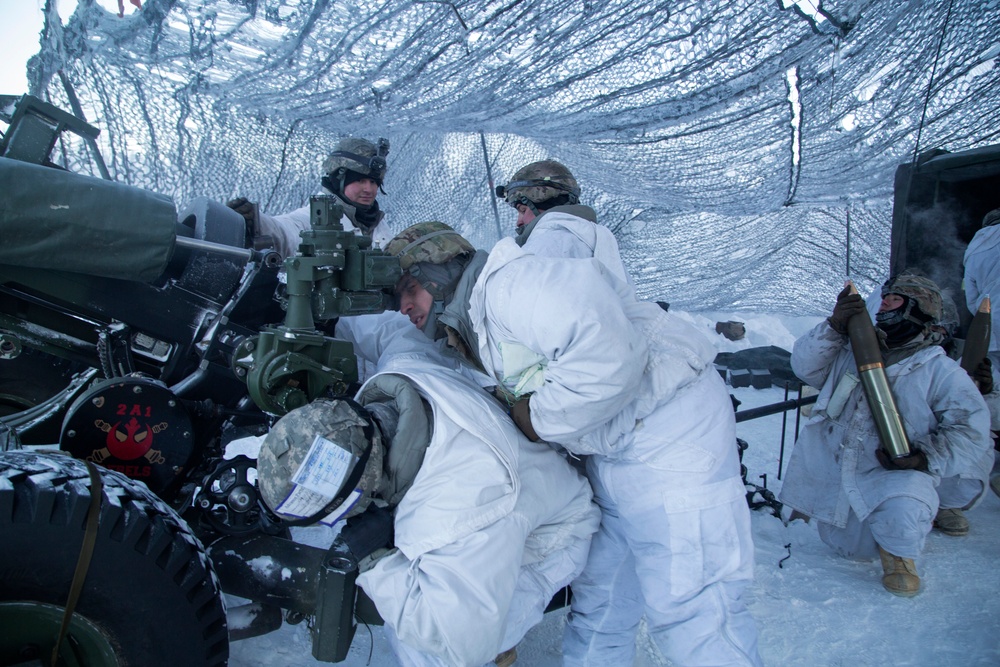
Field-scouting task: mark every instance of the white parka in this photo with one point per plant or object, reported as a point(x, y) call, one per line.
point(491, 528)
point(833, 469)
point(284, 229)
point(559, 232)
point(600, 359)
point(636, 388)
point(982, 276)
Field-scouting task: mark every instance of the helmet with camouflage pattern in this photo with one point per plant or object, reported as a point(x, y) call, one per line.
point(295, 491)
point(540, 186)
point(924, 297)
point(432, 242)
point(992, 218)
point(359, 156)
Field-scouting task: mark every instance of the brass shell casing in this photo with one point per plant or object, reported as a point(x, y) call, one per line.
point(977, 340)
point(871, 372)
point(883, 408)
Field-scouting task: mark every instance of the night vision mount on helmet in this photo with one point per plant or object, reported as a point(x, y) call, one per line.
point(360, 156)
point(541, 185)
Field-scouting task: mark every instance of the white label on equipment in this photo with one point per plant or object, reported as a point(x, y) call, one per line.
point(324, 468)
point(302, 502)
point(318, 480)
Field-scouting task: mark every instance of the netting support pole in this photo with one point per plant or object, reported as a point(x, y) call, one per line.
point(489, 179)
point(784, 423)
point(930, 85)
point(74, 103)
point(848, 274)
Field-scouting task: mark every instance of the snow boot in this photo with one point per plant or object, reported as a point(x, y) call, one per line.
point(900, 576)
point(507, 658)
point(951, 522)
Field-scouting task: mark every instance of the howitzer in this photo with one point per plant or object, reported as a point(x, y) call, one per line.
point(142, 339)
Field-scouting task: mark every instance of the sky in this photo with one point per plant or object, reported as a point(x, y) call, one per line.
point(812, 607)
point(20, 26)
point(19, 30)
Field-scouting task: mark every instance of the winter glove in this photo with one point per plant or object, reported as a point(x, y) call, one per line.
point(848, 305)
point(520, 412)
point(369, 531)
point(915, 460)
point(983, 376)
point(247, 209)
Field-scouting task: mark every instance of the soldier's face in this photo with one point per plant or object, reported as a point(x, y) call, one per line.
point(414, 301)
point(361, 192)
point(891, 302)
point(524, 215)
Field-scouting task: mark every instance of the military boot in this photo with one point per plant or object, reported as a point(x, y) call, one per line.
point(951, 522)
point(900, 576)
point(507, 658)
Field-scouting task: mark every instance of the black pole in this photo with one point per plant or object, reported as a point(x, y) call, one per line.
point(489, 178)
point(774, 408)
point(848, 274)
point(784, 422)
point(798, 414)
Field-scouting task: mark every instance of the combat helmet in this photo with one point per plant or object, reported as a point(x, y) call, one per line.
point(992, 218)
point(432, 242)
point(341, 438)
point(356, 155)
point(923, 307)
point(435, 255)
point(540, 186)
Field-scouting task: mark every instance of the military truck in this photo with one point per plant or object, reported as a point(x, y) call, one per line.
point(939, 201)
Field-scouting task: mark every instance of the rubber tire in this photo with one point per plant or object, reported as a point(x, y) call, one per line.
point(150, 587)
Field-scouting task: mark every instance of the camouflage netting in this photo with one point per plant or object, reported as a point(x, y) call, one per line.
point(737, 149)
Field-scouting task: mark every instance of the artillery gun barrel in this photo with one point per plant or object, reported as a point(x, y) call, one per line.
point(217, 248)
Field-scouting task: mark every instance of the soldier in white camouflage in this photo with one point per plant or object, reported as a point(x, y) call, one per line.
point(552, 222)
point(353, 173)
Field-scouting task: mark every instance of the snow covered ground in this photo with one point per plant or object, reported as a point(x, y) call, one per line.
point(811, 607)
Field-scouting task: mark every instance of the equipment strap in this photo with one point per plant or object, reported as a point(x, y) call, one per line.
point(86, 552)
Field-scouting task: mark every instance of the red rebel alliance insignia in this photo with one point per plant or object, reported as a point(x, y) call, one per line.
point(129, 441)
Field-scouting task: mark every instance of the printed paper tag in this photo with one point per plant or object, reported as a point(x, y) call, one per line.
point(318, 480)
point(324, 468)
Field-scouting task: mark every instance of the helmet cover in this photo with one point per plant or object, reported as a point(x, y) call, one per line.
point(359, 156)
point(538, 182)
point(923, 291)
point(287, 444)
point(432, 242)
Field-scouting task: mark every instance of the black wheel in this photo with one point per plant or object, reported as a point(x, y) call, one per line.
point(150, 598)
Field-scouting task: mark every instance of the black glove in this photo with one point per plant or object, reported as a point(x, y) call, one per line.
point(848, 305)
point(368, 531)
point(520, 412)
point(915, 460)
point(244, 207)
point(983, 376)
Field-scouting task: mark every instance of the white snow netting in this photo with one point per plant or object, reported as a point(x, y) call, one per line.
point(737, 149)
